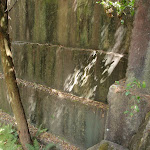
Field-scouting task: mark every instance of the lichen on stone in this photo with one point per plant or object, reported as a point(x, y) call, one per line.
point(104, 146)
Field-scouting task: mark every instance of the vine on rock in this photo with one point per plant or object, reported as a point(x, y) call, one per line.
point(133, 96)
point(136, 98)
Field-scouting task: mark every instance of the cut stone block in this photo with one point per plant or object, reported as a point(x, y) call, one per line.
point(120, 127)
point(85, 73)
point(141, 140)
point(80, 121)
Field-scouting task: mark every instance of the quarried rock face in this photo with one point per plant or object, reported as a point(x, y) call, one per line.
point(71, 23)
point(86, 73)
point(120, 127)
point(77, 120)
point(139, 53)
point(141, 140)
point(4, 101)
point(88, 49)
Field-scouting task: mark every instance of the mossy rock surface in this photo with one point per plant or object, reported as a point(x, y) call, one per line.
point(141, 141)
point(104, 146)
point(107, 145)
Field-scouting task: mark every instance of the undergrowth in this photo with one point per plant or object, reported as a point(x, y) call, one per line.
point(9, 140)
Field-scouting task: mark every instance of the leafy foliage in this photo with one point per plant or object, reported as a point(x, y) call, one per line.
point(9, 138)
point(121, 7)
point(136, 98)
point(117, 82)
point(40, 130)
point(36, 146)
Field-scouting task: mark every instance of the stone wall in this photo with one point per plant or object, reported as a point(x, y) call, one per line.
point(87, 51)
point(77, 120)
point(71, 23)
point(68, 48)
point(81, 72)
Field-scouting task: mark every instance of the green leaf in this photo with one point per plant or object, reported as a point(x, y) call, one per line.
point(129, 85)
point(36, 144)
point(122, 21)
point(29, 147)
point(102, 3)
point(133, 97)
point(117, 82)
point(40, 130)
point(132, 12)
point(138, 101)
point(126, 112)
point(50, 146)
point(143, 84)
point(136, 108)
point(127, 93)
point(138, 97)
point(8, 138)
point(111, 3)
point(131, 114)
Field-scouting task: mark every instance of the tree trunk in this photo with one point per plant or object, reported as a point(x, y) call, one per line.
point(10, 78)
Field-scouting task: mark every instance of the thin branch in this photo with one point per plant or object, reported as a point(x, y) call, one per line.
point(8, 10)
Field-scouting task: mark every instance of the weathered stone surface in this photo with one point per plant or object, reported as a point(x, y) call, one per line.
point(139, 53)
point(121, 127)
point(73, 23)
point(141, 140)
point(77, 120)
point(4, 103)
point(107, 145)
point(1, 68)
point(85, 73)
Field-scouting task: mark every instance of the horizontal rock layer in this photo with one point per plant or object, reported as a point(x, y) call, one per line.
point(80, 121)
point(72, 23)
point(82, 72)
